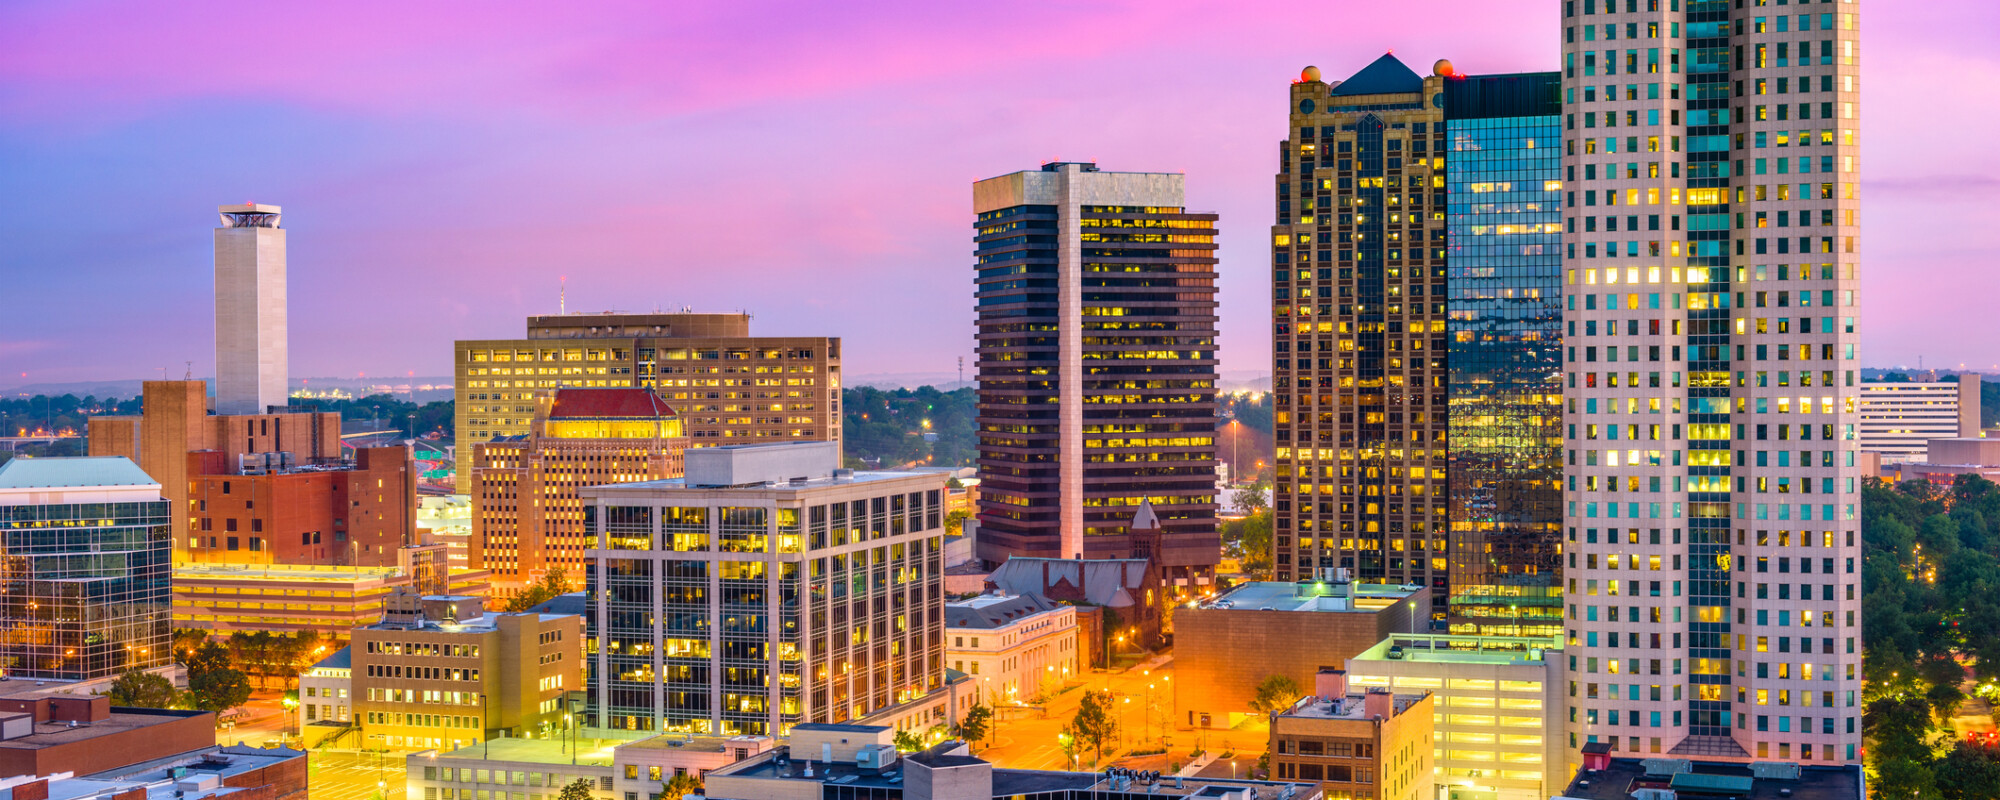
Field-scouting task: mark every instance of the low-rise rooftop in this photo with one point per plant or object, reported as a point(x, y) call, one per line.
point(1623, 777)
point(530, 751)
point(989, 611)
point(1321, 596)
point(1352, 706)
point(73, 472)
point(1464, 649)
point(778, 765)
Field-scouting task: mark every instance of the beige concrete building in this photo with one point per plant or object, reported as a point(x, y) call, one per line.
point(251, 348)
point(1898, 420)
point(441, 672)
point(767, 588)
point(1366, 745)
point(1225, 647)
point(1016, 649)
point(729, 387)
point(859, 761)
point(528, 519)
point(1712, 260)
point(290, 598)
point(1498, 709)
point(632, 769)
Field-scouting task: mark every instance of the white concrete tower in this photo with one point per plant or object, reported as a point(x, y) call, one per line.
point(251, 363)
point(1711, 318)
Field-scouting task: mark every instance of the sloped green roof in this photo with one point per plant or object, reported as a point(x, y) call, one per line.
point(44, 473)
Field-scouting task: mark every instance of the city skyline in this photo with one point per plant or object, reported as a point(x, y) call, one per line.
point(348, 126)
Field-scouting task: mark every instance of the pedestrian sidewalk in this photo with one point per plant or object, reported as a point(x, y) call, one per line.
point(1196, 766)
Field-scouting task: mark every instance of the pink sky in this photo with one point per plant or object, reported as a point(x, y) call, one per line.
point(441, 164)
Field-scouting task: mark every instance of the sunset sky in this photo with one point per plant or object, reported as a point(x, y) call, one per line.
point(442, 164)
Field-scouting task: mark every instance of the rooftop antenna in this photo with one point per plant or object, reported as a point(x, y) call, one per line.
point(190, 372)
point(562, 295)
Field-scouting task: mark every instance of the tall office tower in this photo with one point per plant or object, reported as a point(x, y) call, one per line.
point(1096, 296)
point(1503, 221)
point(729, 387)
point(527, 519)
point(1359, 319)
point(251, 362)
point(1417, 283)
point(1710, 310)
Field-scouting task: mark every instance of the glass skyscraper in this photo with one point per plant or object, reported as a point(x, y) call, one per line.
point(1097, 311)
point(1503, 269)
point(86, 560)
point(1416, 282)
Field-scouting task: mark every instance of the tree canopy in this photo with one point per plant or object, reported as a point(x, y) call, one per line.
point(1931, 605)
point(138, 688)
point(553, 584)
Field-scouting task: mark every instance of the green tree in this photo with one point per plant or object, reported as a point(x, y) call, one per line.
point(188, 640)
point(906, 741)
point(1095, 724)
point(1276, 693)
point(553, 584)
point(954, 522)
point(206, 657)
point(578, 789)
point(977, 724)
point(1969, 772)
point(680, 785)
point(1249, 539)
point(218, 690)
point(138, 688)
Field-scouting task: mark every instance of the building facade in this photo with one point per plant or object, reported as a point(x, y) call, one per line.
point(1016, 649)
point(1416, 269)
point(1366, 745)
point(1497, 721)
point(293, 598)
point(1097, 312)
point(1503, 413)
point(766, 588)
point(251, 345)
point(729, 387)
point(267, 508)
point(527, 517)
point(1225, 647)
point(1898, 420)
point(440, 672)
point(175, 422)
point(1358, 305)
point(1711, 311)
point(85, 584)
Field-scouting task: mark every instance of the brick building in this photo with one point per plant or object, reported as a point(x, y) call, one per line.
point(349, 513)
point(527, 519)
point(1224, 647)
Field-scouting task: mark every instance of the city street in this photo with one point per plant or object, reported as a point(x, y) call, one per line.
point(261, 721)
point(1027, 738)
point(350, 775)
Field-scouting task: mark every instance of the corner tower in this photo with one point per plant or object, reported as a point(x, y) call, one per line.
point(251, 361)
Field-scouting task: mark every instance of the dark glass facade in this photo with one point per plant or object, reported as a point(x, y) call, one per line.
point(1096, 350)
point(1416, 273)
point(85, 589)
point(1504, 228)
